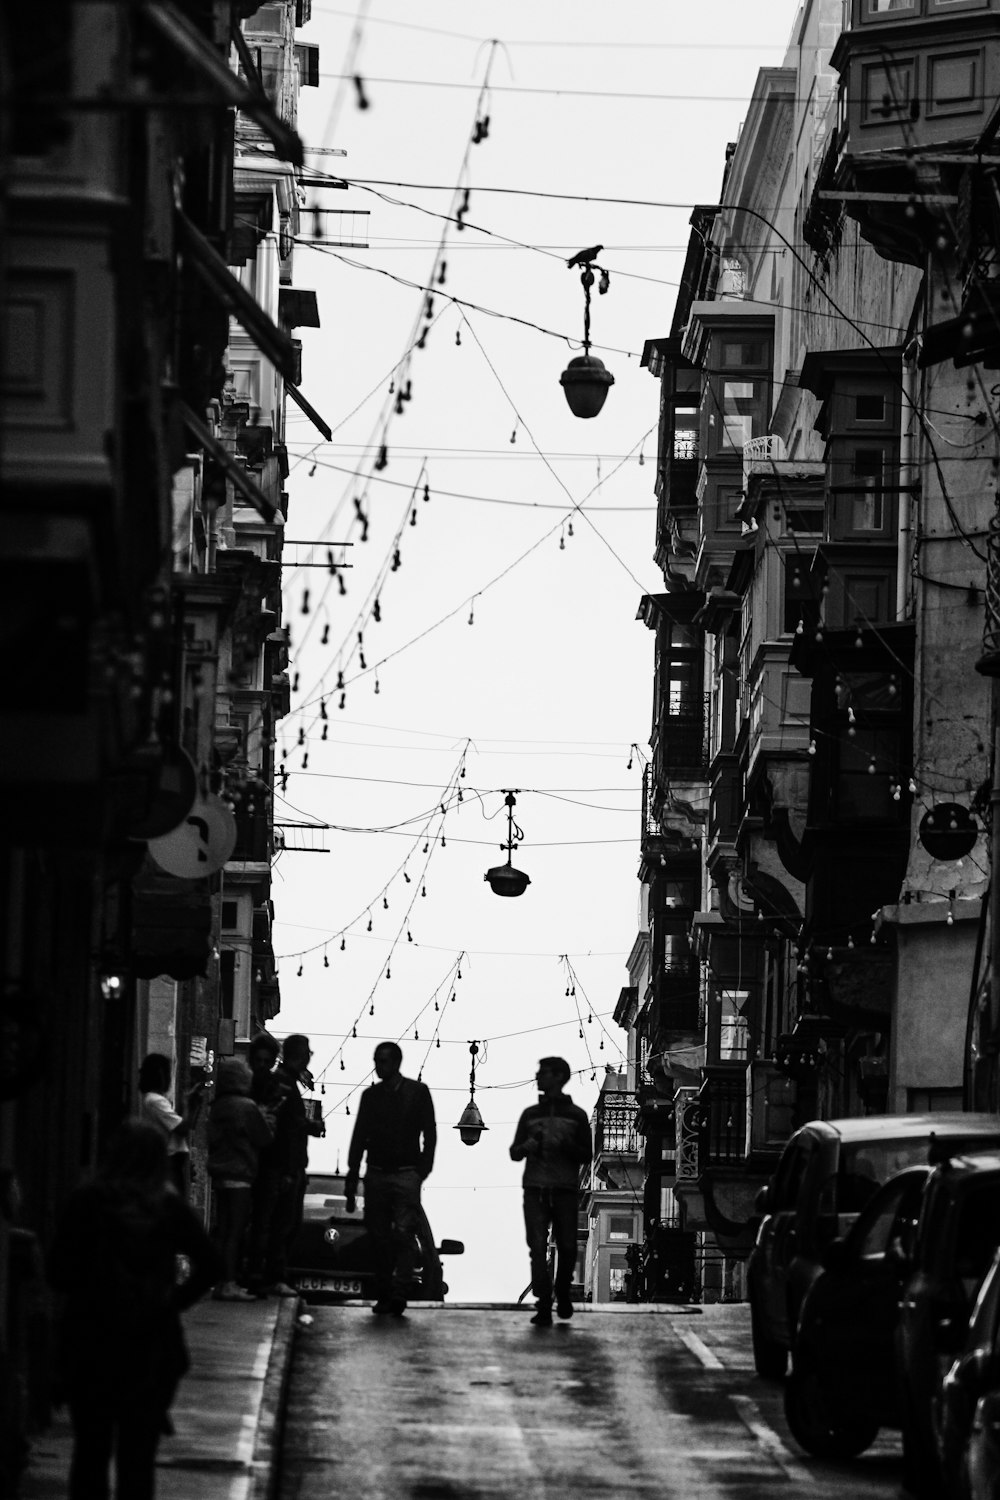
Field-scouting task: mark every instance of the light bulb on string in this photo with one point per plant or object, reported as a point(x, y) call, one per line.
point(326, 959)
point(385, 903)
point(343, 944)
point(342, 1068)
point(324, 639)
point(305, 602)
point(354, 1031)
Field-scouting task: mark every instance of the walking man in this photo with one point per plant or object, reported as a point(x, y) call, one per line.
point(553, 1140)
point(395, 1127)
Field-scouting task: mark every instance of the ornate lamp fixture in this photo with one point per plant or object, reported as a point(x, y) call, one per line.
point(585, 380)
point(504, 879)
point(470, 1125)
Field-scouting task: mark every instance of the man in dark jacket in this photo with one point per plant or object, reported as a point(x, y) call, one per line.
point(396, 1128)
point(553, 1140)
point(283, 1164)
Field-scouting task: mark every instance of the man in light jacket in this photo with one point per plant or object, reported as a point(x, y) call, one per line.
point(553, 1140)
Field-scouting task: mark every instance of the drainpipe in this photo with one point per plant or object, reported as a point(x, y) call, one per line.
point(904, 546)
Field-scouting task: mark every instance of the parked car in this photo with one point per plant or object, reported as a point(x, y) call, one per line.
point(957, 1237)
point(968, 1415)
point(883, 1319)
point(828, 1171)
point(842, 1386)
point(331, 1256)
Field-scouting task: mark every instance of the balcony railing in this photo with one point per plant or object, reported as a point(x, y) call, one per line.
point(615, 1122)
point(689, 1133)
point(723, 1101)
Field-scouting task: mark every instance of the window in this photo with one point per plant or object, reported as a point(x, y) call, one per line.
point(799, 606)
point(866, 511)
point(737, 356)
point(867, 765)
point(616, 1278)
point(728, 498)
point(685, 436)
point(737, 413)
point(869, 407)
point(620, 1226)
point(230, 915)
point(808, 522)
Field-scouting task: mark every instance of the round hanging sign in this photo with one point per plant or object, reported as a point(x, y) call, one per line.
point(201, 844)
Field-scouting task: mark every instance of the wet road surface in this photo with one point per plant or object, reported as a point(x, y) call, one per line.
point(464, 1403)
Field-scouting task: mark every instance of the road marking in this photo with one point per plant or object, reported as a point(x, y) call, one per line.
point(701, 1351)
point(753, 1419)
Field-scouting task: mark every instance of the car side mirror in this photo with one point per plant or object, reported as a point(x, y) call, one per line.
point(451, 1247)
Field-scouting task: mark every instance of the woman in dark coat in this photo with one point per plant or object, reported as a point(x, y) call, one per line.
point(115, 1262)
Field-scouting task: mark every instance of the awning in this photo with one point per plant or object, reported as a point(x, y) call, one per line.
point(310, 411)
point(251, 492)
point(196, 50)
point(268, 337)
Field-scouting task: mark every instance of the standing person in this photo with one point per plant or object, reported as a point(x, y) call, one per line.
point(121, 1346)
point(268, 1094)
point(157, 1110)
point(237, 1133)
point(396, 1127)
point(286, 1162)
point(553, 1140)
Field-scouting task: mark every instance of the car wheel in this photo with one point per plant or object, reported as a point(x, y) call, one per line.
point(817, 1426)
point(770, 1358)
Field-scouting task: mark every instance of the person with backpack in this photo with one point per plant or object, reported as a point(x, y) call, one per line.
point(121, 1353)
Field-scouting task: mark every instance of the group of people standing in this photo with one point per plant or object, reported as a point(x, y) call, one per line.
point(116, 1252)
point(258, 1153)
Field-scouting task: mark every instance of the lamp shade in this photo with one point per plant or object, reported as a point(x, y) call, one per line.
point(586, 383)
point(471, 1126)
point(506, 881)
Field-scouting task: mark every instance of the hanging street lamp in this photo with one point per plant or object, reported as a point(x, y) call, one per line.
point(470, 1125)
point(585, 380)
point(504, 879)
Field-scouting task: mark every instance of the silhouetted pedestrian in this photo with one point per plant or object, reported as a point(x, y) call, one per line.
point(268, 1094)
point(396, 1128)
point(237, 1133)
point(553, 1140)
point(157, 1110)
point(121, 1350)
point(284, 1163)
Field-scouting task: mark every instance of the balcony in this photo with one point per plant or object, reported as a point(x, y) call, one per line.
point(760, 454)
point(615, 1125)
point(674, 993)
point(919, 85)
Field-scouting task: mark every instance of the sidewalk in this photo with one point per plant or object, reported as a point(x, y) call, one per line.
point(226, 1416)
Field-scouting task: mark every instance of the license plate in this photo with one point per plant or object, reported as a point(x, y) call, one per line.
point(329, 1284)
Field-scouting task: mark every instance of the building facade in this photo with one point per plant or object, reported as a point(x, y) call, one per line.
point(148, 208)
point(815, 850)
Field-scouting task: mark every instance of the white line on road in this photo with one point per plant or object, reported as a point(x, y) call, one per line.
point(752, 1418)
point(701, 1351)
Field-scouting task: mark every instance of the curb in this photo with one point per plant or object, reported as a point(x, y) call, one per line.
point(270, 1422)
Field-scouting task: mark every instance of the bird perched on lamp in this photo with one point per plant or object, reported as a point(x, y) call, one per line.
point(584, 257)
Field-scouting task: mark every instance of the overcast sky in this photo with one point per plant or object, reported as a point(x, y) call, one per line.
point(549, 686)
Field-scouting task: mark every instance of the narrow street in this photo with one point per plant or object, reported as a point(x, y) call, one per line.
point(466, 1402)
